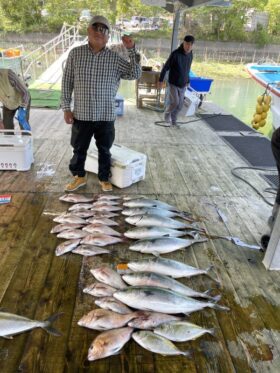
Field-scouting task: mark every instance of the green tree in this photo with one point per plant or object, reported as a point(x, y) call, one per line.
point(273, 8)
point(22, 14)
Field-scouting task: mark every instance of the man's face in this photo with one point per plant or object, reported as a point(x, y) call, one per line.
point(187, 46)
point(98, 35)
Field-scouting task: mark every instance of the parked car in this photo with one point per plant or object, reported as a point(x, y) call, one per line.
point(137, 21)
point(123, 23)
point(85, 15)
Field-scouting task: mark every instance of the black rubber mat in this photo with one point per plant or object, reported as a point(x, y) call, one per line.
point(255, 150)
point(225, 123)
point(272, 179)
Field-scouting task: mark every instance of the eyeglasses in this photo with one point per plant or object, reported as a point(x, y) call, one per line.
point(100, 28)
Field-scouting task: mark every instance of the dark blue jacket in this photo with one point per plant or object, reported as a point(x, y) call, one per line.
point(178, 65)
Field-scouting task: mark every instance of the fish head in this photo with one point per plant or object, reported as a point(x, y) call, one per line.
point(88, 319)
point(97, 349)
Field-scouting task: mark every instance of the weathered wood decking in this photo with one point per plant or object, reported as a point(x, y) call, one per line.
point(188, 167)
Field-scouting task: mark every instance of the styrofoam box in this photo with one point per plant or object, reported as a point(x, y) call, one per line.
point(127, 166)
point(16, 152)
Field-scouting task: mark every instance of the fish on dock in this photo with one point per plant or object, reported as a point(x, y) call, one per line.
point(65, 227)
point(108, 276)
point(102, 220)
point(140, 233)
point(111, 304)
point(100, 319)
point(72, 234)
point(109, 343)
point(66, 246)
point(163, 245)
point(168, 267)
point(99, 290)
point(159, 221)
point(12, 324)
point(100, 239)
point(165, 282)
point(156, 211)
point(102, 229)
point(150, 320)
point(152, 203)
point(90, 250)
point(148, 298)
point(75, 198)
point(157, 344)
point(181, 331)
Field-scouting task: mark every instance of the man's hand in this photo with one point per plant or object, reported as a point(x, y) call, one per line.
point(69, 117)
point(128, 42)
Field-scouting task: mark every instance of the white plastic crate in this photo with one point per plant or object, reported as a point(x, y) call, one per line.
point(16, 151)
point(127, 166)
point(191, 102)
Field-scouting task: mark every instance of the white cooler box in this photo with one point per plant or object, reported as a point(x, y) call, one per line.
point(127, 166)
point(16, 151)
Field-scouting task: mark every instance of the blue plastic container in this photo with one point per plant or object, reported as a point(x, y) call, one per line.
point(200, 84)
point(119, 105)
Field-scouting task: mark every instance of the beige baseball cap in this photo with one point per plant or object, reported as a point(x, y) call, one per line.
point(100, 19)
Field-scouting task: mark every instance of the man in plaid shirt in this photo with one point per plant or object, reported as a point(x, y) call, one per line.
point(93, 73)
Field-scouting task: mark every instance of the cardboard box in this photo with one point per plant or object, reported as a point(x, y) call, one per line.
point(16, 151)
point(127, 166)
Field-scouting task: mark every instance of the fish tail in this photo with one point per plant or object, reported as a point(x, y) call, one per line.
point(187, 353)
point(218, 307)
point(212, 331)
point(47, 324)
point(207, 270)
point(216, 299)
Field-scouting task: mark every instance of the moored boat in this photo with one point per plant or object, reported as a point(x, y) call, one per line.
point(268, 75)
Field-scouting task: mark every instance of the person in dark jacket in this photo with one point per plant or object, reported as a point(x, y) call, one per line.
point(178, 65)
point(275, 147)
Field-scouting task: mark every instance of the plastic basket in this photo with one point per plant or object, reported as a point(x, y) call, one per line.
point(200, 84)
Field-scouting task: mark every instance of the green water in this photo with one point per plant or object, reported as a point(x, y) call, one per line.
point(237, 96)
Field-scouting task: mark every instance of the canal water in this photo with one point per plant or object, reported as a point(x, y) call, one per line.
point(236, 96)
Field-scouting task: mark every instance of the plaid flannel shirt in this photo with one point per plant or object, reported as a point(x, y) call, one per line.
point(94, 79)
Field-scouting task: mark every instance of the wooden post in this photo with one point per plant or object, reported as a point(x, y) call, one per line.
point(272, 256)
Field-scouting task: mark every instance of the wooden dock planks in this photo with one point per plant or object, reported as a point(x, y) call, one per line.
point(187, 167)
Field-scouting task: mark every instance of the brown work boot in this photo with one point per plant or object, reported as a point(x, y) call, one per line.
point(106, 186)
point(77, 183)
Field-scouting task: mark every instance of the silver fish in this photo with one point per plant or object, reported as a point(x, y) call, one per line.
point(155, 343)
point(101, 319)
point(75, 198)
point(162, 281)
point(105, 202)
point(80, 206)
point(69, 219)
point(103, 229)
point(111, 304)
point(100, 240)
point(106, 208)
point(108, 276)
point(90, 250)
point(152, 203)
point(163, 245)
point(72, 234)
point(66, 246)
point(181, 331)
point(158, 221)
point(156, 211)
point(139, 233)
point(109, 343)
point(99, 290)
point(103, 221)
point(64, 227)
point(167, 267)
point(108, 197)
point(11, 324)
point(161, 300)
point(150, 320)
point(84, 213)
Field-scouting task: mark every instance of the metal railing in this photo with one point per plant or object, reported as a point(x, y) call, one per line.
point(36, 62)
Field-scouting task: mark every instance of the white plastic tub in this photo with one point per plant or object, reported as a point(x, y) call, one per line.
point(16, 151)
point(127, 166)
